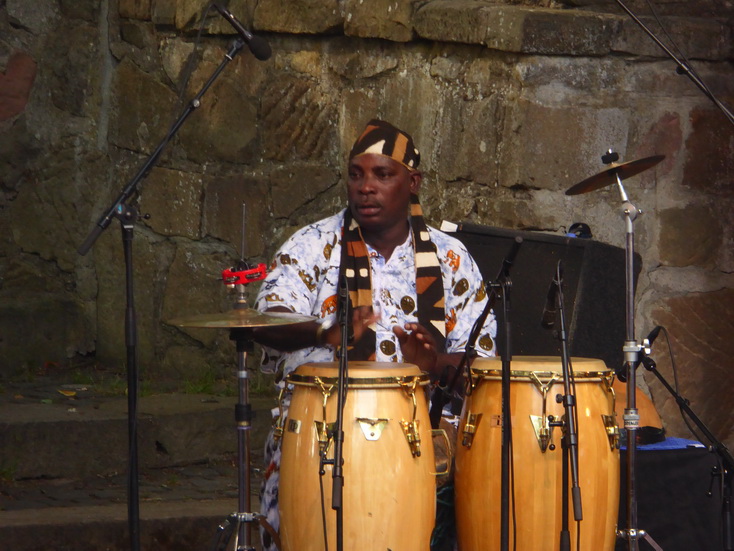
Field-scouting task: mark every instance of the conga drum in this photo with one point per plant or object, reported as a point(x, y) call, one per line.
point(536, 459)
point(389, 495)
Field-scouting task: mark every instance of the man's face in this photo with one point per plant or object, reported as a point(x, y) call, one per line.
point(379, 189)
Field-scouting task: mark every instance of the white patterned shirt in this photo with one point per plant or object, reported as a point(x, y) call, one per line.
point(304, 275)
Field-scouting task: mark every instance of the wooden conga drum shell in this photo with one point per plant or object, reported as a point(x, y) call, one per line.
point(537, 474)
point(389, 499)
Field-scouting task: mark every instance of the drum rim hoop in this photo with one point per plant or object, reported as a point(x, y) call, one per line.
point(298, 379)
point(520, 374)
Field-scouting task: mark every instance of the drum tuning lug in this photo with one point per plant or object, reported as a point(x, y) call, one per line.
point(410, 428)
point(612, 428)
point(543, 427)
point(470, 428)
point(323, 435)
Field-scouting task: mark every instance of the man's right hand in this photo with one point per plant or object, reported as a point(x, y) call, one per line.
point(362, 318)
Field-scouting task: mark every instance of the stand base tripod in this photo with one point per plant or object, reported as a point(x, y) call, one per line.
point(234, 525)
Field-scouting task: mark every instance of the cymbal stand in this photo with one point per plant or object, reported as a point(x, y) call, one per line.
point(239, 523)
point(631, 351)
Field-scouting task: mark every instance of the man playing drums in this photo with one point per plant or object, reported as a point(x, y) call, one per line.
point(416, 292)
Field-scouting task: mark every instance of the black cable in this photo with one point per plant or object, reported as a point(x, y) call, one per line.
point(323, 508)
point(674, 367)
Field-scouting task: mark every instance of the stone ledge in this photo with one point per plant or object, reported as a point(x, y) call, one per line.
point(517, 29)
point(163, 526)
point(522, 27)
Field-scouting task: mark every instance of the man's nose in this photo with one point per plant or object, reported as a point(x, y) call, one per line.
point(367, 185)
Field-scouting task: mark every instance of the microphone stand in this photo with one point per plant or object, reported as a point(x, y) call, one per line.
point(128, 215)
point(337, 473)
point(570, 433)
point(506, 285)
point(443, 393)
point(715, 445)
point(683, 67)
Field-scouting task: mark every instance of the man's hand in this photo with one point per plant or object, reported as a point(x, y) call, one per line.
point(362, 318)
point(417, 346)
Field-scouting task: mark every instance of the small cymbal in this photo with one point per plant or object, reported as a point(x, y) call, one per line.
point(245, 317)
point(609, 176)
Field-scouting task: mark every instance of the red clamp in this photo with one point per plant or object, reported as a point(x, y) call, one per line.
point(243, 277)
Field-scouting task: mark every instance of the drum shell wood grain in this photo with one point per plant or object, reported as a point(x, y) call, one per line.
point(389, 495)
point(537, 474)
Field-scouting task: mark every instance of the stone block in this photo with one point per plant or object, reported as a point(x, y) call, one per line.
point(172, 198)
point(16, 83)
point(223, 216)
point(310, 181)
point(211, 133)
point(298, 120)
point(141, 110)
point(700, 327)
point(19, 149)
point(523, 29)
point(689, 236)
point(174, 57)
point(38, 327)
point(193, 285)
point(73, 78)
point(699, 38)
point(548, 31)
point(464, 21)
point(469, 147)
point(302, 17)
point(80, 9)
point(57, 194)
point(696, 8)
point(388, 19)
point(150, 261)
point(554, 79)
point(352, 64)
point(163, 13)
point(135, 9)
point(709, 163)
point(140, 35)
point(553, 146)
point(663, 136)
point(38, 17)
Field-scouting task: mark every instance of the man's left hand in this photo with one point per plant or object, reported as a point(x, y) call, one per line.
point(417, 345)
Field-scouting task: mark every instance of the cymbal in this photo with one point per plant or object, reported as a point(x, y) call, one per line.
point(245, 317)
point(609, 176)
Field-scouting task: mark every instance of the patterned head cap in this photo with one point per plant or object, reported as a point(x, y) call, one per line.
point(382, 138)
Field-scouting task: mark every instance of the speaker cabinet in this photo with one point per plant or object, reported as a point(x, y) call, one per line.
point(593, 288)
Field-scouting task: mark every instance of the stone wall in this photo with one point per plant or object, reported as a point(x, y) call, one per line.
point(510, 102)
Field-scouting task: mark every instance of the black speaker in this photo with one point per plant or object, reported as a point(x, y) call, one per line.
point(593, 287)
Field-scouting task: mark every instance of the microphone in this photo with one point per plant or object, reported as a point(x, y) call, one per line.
point(549, 311)
point(258, 46)
point(654, 334)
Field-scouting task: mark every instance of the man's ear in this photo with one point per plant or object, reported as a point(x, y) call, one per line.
point(416, 177)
